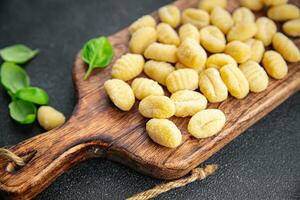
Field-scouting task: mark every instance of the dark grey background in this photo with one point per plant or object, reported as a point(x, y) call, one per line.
point(263, 163)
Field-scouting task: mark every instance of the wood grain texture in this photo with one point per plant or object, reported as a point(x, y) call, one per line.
point(98, 129)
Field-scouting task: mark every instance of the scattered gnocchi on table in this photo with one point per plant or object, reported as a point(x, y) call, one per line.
point(199, 56)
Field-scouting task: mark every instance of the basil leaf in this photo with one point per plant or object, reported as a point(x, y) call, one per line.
point(18, 53)
point(98, 53)
point(22, 111)
point(13, 77)
point(33, 94)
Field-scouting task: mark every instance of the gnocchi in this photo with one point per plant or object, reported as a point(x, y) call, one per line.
point(188, 103)
point(257, 77)
point(242, 31)
point(167, 35)
point(198, 18)
point(182, 79)
point(255, 5)
point(164, 132)
point(284, 12)
point(145, 21)
point(212, 39)
point(257, 49)
point(292, 27)
point(240, 51)
point(158, 71)
point(212, 86)
point(128, 66)
point(206, 123)
point(191, 54)
point(50, 118)
point(274, 2)
point(218, 60)
point(157, 107)
point(170, 14)
point(162, 52)
point(266, 29)
point(181, 66)
point(120, 93)
point(141, 39)
point(286, 47)
point(189, 31)
point(243, 14)
point(235, 81)
point(275, 65)
point(209, 5)
point(222, 19)
point(144, 87)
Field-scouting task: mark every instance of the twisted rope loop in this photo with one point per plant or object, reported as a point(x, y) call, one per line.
point(12, 157)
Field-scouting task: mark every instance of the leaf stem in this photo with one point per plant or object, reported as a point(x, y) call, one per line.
point(88, 72)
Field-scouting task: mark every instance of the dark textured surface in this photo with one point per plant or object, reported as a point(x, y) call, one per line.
point(263, 163)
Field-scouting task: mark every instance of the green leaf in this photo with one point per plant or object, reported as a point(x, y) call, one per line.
point(18, 53)
point(13, 77)
point(33, 94)
point(98, 53)
point(22, 111)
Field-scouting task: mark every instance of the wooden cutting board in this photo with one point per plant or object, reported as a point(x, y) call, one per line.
point(98, 129)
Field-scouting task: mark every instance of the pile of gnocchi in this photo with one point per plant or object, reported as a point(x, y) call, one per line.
point(205, 48)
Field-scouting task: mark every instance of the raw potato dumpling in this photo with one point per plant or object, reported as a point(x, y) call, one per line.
point(144, 87)
point(158, 71)
point(170, 14)
point(292, 27)
point(209, 5)
point(157, 107)
point(49, 118)
point(145, 21)
point(141, 39)
point(198, 18)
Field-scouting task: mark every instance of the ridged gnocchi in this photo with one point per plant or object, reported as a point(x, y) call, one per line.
point(255, 5)
point(191, 54)
point(161, 52)
point(189, 31)
point(274, 2)
point(266, 29)
point(275, 65)
point(212, 86)
point(188, 103)
point(257, 77)
point(198, 18)
point(243, 14)
point(145, 21)
point(167, 35)
point(128, 66)
point(141, 39)
point(120, 93)
point(242, 31)
point(158, 71)
point(182, 79)
point(257, 49)
point(157, 107)
point(206, 123)
point(209, 5)
point(222, 19)
point(286, 47)
point(170, 14)
point(212, 39)
point(240, 51)
point(292, 27)
point(164, 132)
point(235, 81)
point(144, 87)
point(284, 12)
point(219, 60)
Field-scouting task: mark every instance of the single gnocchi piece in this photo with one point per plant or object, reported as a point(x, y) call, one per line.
point(188, 102)
point(240, 51)
point(182, 66)
point(158, 71)
point(191, 54)
point(275, 65)
point(141, 39)
point(284, 12)
point(212, 86)
point(274, 2)
point(182, 79)
point(170, 14)
point(128, 66)
point(255, 5)
point(167, 35)
point(235, 81)
point(161, 52)
point(144, 87)
point(198, 18)
point(209, 5)
point(257, 77)
point(286, 47)
point(243, 14)
point(266, 29)
point(292, 27)
point(160, 107)
point(206, 123)
point(120, 94)
point(212, 39)
point(189, 31)
point(145, 21)
point(257, 49)
point(219, 60)
point(50, 118)
point(164, 132)
point(242, 31)
point(222, 19)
